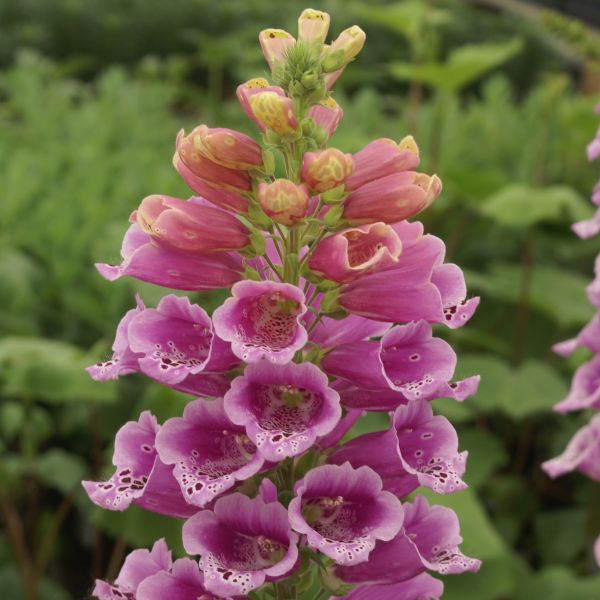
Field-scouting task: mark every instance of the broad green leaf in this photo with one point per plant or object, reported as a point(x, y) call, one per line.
point(561, 534)
point(559, 583)
point(531, 389)
point(140, 528)
point(486, 454)
point(462, 67)
point(12, 586)
point(50, 370)
point(60, 470)
point(555, 292)
point(521, 206)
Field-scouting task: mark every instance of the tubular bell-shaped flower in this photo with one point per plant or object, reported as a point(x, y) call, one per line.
point(343, 511)
point(429, 540)
point(284, 408)
point(283, 201)
point(141, 477)
point(418, 286)
point(191, 226)
point(346, 256)
point(242, 543)
point(139, 565)
point(421, 587)
point(209, 451)
point(144, 260)
point(407, 359)
point(325, 169)
point(262, 320)
point(417, 449)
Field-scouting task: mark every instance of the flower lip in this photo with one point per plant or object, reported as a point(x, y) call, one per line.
point(284, 408)
point(208, 451)
point(343, 511)
point(242, 543)
point(262, 320)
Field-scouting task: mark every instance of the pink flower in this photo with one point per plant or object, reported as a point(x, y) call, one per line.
point(325, 169)
point(283, 201)
point(191, 226)
point(274, 43)
point(262, 320)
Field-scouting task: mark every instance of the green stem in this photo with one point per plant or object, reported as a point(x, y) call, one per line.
point(273, 267)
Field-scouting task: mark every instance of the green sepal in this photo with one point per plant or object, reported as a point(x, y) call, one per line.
point(270, 138)
point(258, 243)
point(333, 61)
point(326, 284)
point(333, 584)
point(334, 196)
point(329, 303)
point(268, 163)
point(257, 217)
point(338, 315)
point(251, 274)
point(333, 216)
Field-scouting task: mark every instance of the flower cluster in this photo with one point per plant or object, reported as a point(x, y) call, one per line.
point(583, 451)
point(333, 297)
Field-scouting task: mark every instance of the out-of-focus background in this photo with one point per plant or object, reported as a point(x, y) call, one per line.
point(500, 96)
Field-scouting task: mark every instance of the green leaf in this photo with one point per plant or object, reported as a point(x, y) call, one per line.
point(561, 535)
point(462, 67)
point(521, 206)
point(51, 370)
point(486, 454)
point(531, 389)
point(566, 304)
point(559, 583)
point(60, 470)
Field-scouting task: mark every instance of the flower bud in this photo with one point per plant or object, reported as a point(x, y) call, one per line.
point(190, 226)
point(313, 26)
point(327, 115)
point(227, 147)
point(325, 169)
point(344, 49)
point(391, 199)
point(255, 86)
point(275, 112)
point(283, 201)
point(215, 174)
point(274, 43)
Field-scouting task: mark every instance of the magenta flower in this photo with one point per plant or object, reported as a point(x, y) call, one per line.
point(262, 320)
point(242, 543)
point(176, 340)
point(418, 286)
point(138, 566)
point(407, 359)
point(210, 453)
point(170, 343)
point(380, 158)
point(421, 587)
point(343, 511)
point(593, 148)
point(590, 227)
point(123, 360)
point(585, 388)
point(141, 477)
point(146, 261)
point(331, 332)
point(589, 337)
point(582, 453)
point(429, 540)
point(284, 408)
point(183, 582)
point(417, 449)
point(193, 226)
point(350, 254)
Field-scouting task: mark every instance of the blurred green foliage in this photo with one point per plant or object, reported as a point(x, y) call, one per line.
point(83, 140)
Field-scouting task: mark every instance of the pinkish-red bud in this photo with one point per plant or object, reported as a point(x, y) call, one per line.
point(274, 43)
point(326, 169)
point(327, 115)
point(190, 226)
point(283, 201)
point(227, 147)
point(391, 199)
point(313, 26)
point(275, 112)
point(215, 174)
